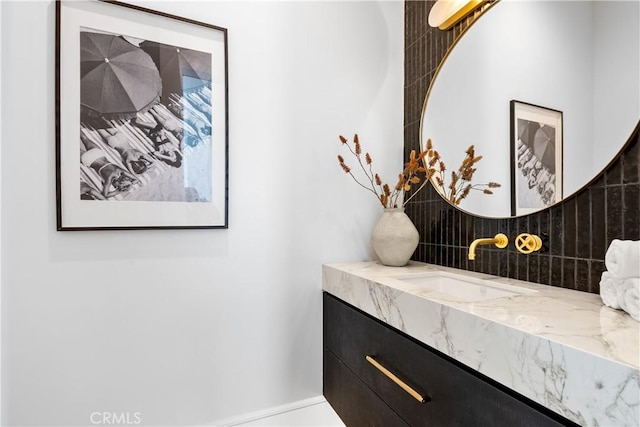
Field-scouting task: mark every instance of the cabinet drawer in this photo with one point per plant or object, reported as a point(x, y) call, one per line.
point(456, 397)
point(356, 404)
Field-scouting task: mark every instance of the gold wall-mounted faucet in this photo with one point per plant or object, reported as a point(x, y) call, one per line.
point(500, 240)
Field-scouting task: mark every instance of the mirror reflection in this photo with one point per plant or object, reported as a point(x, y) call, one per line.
point(576, 60)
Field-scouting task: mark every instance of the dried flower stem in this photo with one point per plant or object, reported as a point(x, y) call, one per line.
point(356, 151)
point(387, 196)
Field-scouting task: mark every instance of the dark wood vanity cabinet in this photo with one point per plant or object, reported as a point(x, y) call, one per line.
point(454, 395)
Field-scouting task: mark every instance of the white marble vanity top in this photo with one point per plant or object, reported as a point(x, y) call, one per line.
point(561, 348)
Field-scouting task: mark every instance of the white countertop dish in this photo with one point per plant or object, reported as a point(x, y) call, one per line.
point(561, 348)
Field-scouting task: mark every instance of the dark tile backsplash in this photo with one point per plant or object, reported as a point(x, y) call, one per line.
point(575, 233)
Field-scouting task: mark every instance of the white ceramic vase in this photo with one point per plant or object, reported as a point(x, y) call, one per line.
point(394, 238)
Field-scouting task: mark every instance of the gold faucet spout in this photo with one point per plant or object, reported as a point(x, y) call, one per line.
point(500, 240)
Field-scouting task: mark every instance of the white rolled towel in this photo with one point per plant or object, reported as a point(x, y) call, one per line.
point(609, 290)
point(623, 286)
point(631, 288)
point(623, 258)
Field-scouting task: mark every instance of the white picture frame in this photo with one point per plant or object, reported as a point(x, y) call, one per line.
point(138, 148)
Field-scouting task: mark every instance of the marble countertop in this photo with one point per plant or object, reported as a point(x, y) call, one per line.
point(561, 348)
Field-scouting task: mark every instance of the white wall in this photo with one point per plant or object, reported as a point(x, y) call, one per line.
point(188, 327)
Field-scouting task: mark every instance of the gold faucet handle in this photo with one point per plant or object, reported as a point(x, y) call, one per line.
point(527, 243)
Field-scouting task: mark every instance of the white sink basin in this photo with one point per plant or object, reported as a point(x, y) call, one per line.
point(463, 288)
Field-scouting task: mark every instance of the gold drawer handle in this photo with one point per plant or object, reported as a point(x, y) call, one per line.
point(527, 243)
point(396, 380)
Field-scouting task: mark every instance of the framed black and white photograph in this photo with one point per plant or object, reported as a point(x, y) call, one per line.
point(536, 157)
point(141, 119)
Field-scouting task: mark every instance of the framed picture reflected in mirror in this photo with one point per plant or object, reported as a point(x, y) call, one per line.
point(536, 157)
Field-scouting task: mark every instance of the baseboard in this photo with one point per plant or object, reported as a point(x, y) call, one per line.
point(269, 412)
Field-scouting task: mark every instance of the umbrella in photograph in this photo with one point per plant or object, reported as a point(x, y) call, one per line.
point(544, 147)
point(527, 131)
point(182, 70)
point(117, 79)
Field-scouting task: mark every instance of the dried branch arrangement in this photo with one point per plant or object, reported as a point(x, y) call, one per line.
point(418, 171)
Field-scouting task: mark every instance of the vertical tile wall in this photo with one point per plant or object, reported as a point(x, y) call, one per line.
point(575, 233)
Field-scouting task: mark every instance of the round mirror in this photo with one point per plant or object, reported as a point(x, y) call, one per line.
point(547, 91)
